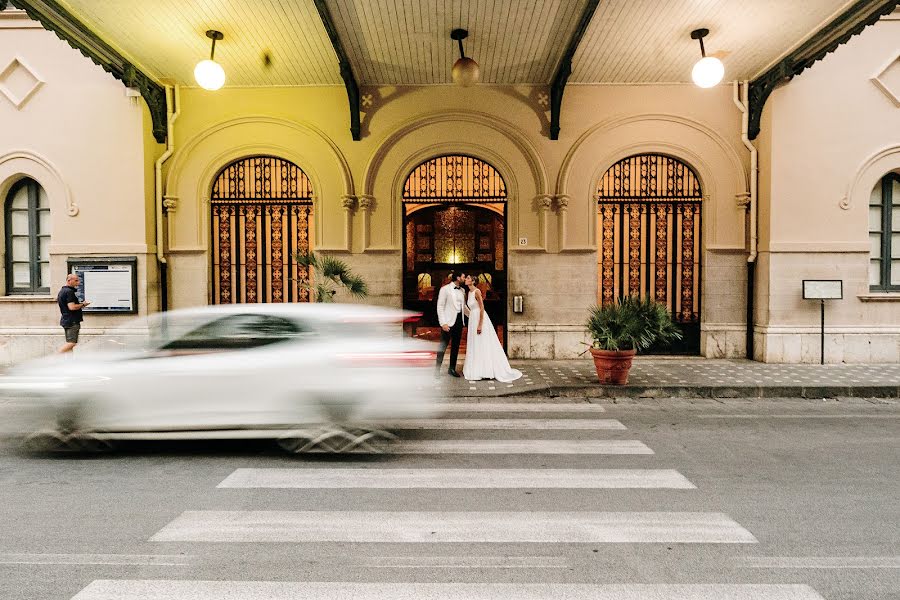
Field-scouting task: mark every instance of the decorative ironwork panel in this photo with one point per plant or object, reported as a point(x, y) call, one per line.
point(649, 224)
point(454, 178)
point(261, 208)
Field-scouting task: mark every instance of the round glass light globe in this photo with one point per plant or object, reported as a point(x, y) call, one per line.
point(466, 72)
point(209, 74)
point(708, 72)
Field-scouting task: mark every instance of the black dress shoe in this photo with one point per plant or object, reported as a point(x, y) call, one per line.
point(454, 373)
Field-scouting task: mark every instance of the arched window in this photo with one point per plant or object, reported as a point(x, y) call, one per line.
point(27, 227)
point(884, 235)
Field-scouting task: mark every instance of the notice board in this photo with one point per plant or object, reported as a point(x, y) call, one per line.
point(109, 283)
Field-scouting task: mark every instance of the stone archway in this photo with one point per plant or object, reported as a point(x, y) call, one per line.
point(454, 217)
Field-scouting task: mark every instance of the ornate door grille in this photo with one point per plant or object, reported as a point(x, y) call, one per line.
point(261, 212)
point(649, 221)
point(454, 178)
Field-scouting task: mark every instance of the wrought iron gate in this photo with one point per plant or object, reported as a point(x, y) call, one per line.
point(649, 225)
point(261, 212)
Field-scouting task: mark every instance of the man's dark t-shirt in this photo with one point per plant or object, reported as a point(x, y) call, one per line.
point(69, 317)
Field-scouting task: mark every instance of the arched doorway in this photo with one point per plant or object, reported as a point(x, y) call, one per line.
point(454, 216)
point(649, 224)
point(261, 210)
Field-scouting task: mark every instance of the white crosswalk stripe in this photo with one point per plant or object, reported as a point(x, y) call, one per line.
point(521, 407)
point(440, 527)
point(521, 447)
point(283, 590)
point(394, 478)
point(529, 424)
point(413, 527)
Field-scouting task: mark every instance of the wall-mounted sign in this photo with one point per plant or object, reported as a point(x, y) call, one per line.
point(110, 284)
point(823, 289)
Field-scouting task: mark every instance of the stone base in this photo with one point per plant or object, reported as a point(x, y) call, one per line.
point(723, 341)
point(805, 347)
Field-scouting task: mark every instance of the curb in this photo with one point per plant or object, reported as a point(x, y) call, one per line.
point(638, 391)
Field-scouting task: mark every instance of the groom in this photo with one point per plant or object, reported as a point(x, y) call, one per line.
point(451, 300)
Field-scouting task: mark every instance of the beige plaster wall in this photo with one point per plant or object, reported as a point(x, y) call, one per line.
point(86, 143)
point(827, 138)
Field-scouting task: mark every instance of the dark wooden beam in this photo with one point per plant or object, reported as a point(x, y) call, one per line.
point(846, 25)
point(565, 67)
point(57, 19)
point(346, 70)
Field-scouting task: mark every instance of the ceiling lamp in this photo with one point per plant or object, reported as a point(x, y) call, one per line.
point(208, 73)
point(466, 71)
point(709, 70)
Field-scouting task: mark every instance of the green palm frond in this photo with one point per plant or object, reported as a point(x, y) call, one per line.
point(328, 272)
point(631, 324)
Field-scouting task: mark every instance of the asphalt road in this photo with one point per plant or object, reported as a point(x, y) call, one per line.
point(649, 499)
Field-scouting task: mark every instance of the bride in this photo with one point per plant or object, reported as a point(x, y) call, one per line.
point(485, 358)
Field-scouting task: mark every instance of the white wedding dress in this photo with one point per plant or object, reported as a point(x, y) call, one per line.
point(485, 358)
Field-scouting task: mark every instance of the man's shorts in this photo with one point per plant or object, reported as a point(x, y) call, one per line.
point(72, 333)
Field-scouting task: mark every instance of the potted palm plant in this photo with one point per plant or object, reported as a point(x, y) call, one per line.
point(329, 273)
point(620, 330)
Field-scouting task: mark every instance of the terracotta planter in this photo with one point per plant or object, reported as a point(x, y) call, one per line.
point(612, 366)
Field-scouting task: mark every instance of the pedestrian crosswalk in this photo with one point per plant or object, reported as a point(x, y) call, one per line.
point(580, 431)
point(279, 590)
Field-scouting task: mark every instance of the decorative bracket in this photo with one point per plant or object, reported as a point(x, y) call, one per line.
point(57, 19)
point(346, 69)
point(565, 67)
point(846, 25)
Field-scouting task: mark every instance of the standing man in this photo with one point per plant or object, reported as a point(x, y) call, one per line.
point(451, 300)
point(70, 312)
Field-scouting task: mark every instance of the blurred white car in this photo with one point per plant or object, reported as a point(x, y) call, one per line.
point(309, 375)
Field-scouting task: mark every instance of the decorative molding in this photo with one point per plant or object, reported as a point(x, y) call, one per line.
point(102, 249)
point(871, 170)
point(510, 131)
point(851, 22)
point(558, 87)
point(57, 19)
point(185, 151)
point(545, 205)
point(893, 95)
point(348, 202)
point(682, 152)
point(19, 100)
point(367, 206)
point(14, 18)
point(50, 179)
point(346, 69)
point(170, 203)
point(879, 297)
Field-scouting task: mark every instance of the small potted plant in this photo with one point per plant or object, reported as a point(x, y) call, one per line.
point(620, 330)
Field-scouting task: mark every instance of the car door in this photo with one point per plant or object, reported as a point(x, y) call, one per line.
point(218, 375)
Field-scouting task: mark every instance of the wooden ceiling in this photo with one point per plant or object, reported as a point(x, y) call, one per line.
point(397, 42)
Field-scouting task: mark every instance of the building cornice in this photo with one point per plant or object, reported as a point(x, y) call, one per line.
point(849, 23)
point(68, 28)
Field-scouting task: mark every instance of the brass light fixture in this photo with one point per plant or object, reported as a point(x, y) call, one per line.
point(466, 71)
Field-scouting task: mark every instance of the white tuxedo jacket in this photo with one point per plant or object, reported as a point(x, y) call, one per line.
point(450, 304)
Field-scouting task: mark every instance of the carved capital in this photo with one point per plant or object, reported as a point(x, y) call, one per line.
point(348, 202)
point(545, 202)
point(170, 203)
point(562, 202)
point(366, 202)
point(742, 199)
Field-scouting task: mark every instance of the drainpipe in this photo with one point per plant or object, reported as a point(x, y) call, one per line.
point(743, 105)
point(170, 149)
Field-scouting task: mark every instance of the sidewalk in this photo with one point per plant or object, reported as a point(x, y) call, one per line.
point(653, 377)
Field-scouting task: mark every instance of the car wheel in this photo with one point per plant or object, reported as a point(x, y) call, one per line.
point(337, 440)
